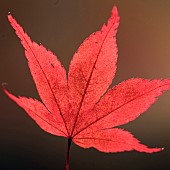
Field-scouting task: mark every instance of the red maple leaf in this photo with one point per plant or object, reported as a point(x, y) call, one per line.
point(82, 109)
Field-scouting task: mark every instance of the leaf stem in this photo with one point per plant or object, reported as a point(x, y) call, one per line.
point(68, 152)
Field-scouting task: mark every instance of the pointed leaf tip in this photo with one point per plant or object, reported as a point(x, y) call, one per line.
point(10, 18)
point(115, 13)
point(114, 10)
point(153, 150)
point(4, 84)
point(4, 88)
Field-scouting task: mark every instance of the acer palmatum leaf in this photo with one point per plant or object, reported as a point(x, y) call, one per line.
point(84, 111)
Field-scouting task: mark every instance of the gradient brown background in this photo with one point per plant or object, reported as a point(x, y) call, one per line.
point(61, 25)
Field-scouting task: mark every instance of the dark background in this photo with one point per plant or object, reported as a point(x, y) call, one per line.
point(61, 25)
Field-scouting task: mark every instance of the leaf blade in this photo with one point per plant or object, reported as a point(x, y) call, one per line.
point(47, 72)
point(93, 67)
point(39, 113)
point(112, 140)
point(123, 103)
